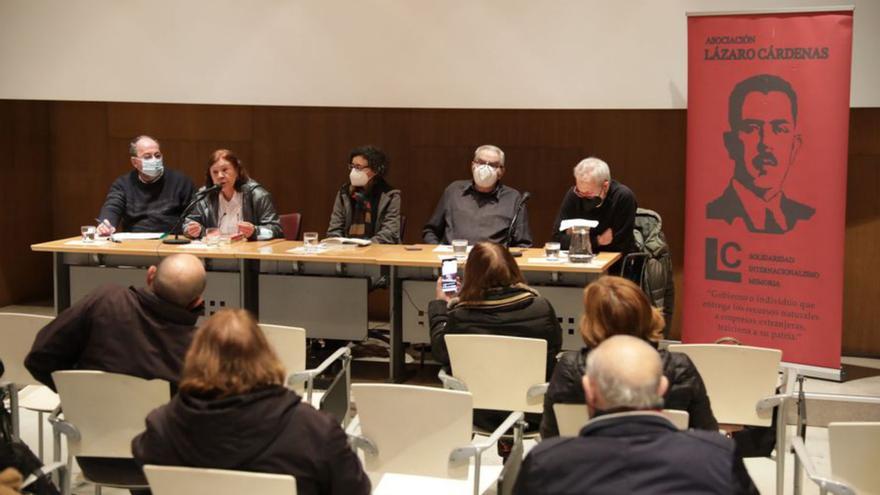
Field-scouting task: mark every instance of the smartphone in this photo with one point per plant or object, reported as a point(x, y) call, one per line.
point(449, 275)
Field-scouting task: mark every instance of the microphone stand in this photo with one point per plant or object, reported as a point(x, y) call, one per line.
point(519, 207)
point(179, 223)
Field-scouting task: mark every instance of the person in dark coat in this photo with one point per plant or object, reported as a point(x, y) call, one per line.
point(233, 412)
point(142, 332)
point(628, 446)
point(241, 206)
point(493, 300)
point(616, 306)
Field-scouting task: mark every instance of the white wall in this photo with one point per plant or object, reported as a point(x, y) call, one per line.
point(374, 53)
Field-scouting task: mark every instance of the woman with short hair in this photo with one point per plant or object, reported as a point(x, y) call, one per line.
point(232, 411)
point(616, 306)
point(240, 206)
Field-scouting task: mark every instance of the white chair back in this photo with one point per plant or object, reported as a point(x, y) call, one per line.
point(290, 345)
point(176, 480)
point(18, 333)
point(572, 417)
point(736, 378)
point(499, 370)
point(414, 428)
point(854, 449)
point(108, 409)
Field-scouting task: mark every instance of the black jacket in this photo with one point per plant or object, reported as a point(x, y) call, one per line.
point(618, 213)
point(134, 206)
point(517, 311)
point(686, 389)
point(256, 208)
point(634, 453)
point(129, 331)
point(267, 431)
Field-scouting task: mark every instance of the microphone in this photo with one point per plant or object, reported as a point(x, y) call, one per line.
point(522, 202)
point(179, 223)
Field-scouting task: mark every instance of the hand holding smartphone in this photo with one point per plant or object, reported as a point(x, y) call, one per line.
point(449, 275)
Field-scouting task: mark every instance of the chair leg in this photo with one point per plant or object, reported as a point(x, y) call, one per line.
point(13, 410)
point(40, 434)
point(477, 459)
point(97, 489)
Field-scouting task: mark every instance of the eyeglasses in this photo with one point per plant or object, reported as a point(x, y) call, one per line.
point(150, 156)
point(352, 166)
point(495, 165)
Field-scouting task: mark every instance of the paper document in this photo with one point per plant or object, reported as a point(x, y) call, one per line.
point(347, 240)
point(130, 236)
point(577, 222)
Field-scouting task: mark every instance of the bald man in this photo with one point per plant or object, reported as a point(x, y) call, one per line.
point(144, 332)
point(627, 446)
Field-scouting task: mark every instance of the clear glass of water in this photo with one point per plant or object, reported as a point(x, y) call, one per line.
point(459, 248)
point(212, 236)
point(310, 241)
point(551, 251)
point(88, 233)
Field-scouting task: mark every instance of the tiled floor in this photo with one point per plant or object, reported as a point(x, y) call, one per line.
point(864, 381)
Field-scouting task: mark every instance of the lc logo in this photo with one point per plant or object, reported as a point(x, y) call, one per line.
point(728, 255)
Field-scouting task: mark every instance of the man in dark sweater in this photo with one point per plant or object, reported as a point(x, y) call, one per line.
point(628, 446)
point(144, 332)
point(597, 197)
point(149, 198)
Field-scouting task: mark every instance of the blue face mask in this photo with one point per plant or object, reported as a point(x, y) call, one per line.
point(152, 167)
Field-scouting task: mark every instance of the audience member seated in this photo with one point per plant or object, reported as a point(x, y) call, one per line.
point(241, 206)
point(150, 198)
point(233, 412)
point(627, 446)
point(616, 306)
point(366, 206)
point(480, 209)
point(143, 332)
point(495, 300)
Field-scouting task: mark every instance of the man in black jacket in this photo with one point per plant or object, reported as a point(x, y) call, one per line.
point(628, 447)
point(143, 332)
point(149, 198)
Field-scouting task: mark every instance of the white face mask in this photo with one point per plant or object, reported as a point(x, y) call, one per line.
point(358, 178)
point(152, 167)
point(485, 176)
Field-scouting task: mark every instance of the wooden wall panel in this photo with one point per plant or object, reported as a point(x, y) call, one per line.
point(26, 200)
point(300, 154)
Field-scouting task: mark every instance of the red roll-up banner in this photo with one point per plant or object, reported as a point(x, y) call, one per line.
point(768, 121)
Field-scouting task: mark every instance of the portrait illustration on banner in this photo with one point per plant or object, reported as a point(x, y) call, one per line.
point(763, 142)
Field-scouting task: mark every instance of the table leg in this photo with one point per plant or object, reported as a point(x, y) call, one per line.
point(61, 274)
point(396, 362)
point(250, 283)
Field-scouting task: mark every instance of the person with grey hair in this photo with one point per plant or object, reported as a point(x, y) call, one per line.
point(143, 332)
point(596, 196)
point(481, 209)
point(628, 446)
point(149, 198)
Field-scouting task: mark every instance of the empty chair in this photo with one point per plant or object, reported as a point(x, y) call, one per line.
point(290, 225)
point(102, 414)
point(572, 417)
point(737, 377)
point(177, 480)
point(18, 333)
point(419, 431)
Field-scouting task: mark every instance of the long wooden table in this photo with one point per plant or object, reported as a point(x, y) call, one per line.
point(256, 262)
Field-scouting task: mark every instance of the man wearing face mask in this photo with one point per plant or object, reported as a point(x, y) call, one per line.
point(480, 209)
point(367, 207)
point(149, 198)
point(596, 196)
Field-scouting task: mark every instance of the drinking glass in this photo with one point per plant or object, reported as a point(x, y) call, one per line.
point(88, 233)
point(212, 236)
point(310, 241)
point(551, 251)
point(459, 248)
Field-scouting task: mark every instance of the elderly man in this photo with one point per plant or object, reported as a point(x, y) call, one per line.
point(596, 196)
point(143, 332)
point(481, 209)
point(628, 447)
point(149, 198)
point(763, 143)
